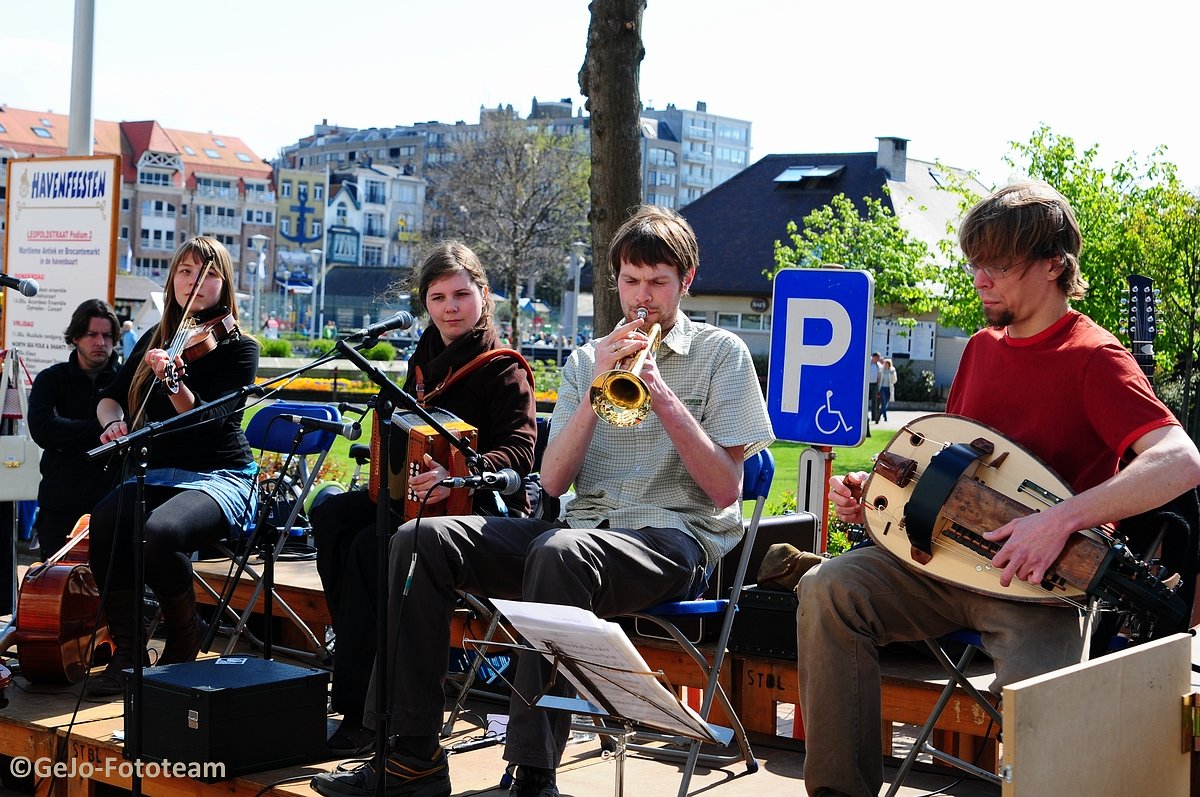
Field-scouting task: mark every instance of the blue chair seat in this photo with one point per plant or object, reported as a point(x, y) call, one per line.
point(709, 607)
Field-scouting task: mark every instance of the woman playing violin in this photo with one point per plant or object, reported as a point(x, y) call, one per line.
point(200, 480)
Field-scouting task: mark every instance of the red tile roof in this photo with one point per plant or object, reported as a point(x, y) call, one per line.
point(131, 140)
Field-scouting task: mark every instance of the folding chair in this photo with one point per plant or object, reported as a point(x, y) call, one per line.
point(757, 473)
point(972, 644)
point(270, 432)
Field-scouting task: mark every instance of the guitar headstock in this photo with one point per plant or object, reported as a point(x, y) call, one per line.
point(1140, 321)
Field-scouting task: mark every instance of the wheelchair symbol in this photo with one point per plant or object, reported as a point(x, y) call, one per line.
point(835, 417)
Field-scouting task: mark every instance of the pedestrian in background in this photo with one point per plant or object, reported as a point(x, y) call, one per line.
point(887, 381)
point(128, 340)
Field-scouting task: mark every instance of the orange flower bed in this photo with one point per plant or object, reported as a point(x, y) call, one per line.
point(306, 384)
point(317, 385)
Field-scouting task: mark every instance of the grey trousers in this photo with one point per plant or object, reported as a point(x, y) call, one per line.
point(866, 598)
point(609, 571)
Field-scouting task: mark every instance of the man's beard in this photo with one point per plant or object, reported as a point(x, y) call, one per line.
point(999, 319)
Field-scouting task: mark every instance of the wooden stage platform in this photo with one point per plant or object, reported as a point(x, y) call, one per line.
point(38, 719)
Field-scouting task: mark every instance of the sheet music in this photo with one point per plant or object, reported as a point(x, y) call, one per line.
point(609, 660)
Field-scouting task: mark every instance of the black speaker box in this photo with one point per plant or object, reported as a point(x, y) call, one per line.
point(765, 624)
point(799, 528)
point(246, 714)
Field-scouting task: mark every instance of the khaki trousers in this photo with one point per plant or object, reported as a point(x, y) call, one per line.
point(866, 598)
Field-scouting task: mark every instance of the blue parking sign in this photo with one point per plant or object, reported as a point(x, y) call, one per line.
point(820, 333)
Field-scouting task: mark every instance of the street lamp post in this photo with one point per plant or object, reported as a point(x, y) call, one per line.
point(258, 242)
point(286, 314)
point(576, 266)
point(319, 255)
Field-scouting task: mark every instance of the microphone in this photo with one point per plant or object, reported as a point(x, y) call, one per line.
point(505, 481)
point(400, 320)
point(27, 287)
point(350, 431)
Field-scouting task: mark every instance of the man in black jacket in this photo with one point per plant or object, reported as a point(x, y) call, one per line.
point(62, 420)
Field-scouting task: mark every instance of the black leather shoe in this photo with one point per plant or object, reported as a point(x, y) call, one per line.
point(404, 776)
point(533, 782)
point(349, 740)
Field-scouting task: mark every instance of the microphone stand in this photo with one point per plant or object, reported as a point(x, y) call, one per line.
point(390, 395)
point(398, 397)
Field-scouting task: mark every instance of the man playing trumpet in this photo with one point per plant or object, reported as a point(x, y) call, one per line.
point(656, 507)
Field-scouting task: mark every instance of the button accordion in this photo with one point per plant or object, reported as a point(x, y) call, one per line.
point(411, 439)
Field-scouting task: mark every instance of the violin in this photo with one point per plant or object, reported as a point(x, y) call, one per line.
point(54, 627)
point(197, 336)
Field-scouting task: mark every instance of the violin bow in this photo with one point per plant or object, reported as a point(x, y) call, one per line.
point(180, 334)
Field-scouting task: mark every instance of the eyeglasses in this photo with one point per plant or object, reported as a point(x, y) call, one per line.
point(991, 272)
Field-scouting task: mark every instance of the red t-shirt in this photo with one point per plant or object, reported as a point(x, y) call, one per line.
point(1071, 394)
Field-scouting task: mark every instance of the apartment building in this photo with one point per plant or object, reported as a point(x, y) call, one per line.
point(685, 154)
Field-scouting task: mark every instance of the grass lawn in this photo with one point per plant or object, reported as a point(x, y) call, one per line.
point(845, 460)
point(787, 459)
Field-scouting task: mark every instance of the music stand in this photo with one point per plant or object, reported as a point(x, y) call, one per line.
point(613, 679)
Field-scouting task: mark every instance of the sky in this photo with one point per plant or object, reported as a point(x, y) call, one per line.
point(959, 80)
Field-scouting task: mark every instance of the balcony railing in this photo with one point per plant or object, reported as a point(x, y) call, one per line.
point(213, 192)
point(157, 245)
point(214, 222)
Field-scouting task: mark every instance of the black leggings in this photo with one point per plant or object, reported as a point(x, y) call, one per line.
point(178, 522)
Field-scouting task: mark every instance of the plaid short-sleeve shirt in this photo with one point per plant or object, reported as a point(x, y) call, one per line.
point(633, 477)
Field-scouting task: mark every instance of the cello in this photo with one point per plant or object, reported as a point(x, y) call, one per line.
point(54, 628)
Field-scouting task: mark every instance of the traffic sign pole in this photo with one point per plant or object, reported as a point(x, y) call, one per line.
point(817, 379)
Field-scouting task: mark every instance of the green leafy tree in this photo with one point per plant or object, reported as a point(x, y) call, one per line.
point(1135, 217)
point(875, 241)
point(518, 196)
point(1179, 269)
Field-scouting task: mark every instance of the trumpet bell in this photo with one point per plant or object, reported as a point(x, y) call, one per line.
point(620, 398)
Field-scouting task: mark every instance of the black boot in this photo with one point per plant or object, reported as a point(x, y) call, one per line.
point(122, 610)
point(185, 629)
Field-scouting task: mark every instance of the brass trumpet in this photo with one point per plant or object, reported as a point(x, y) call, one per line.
point(620, 397)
